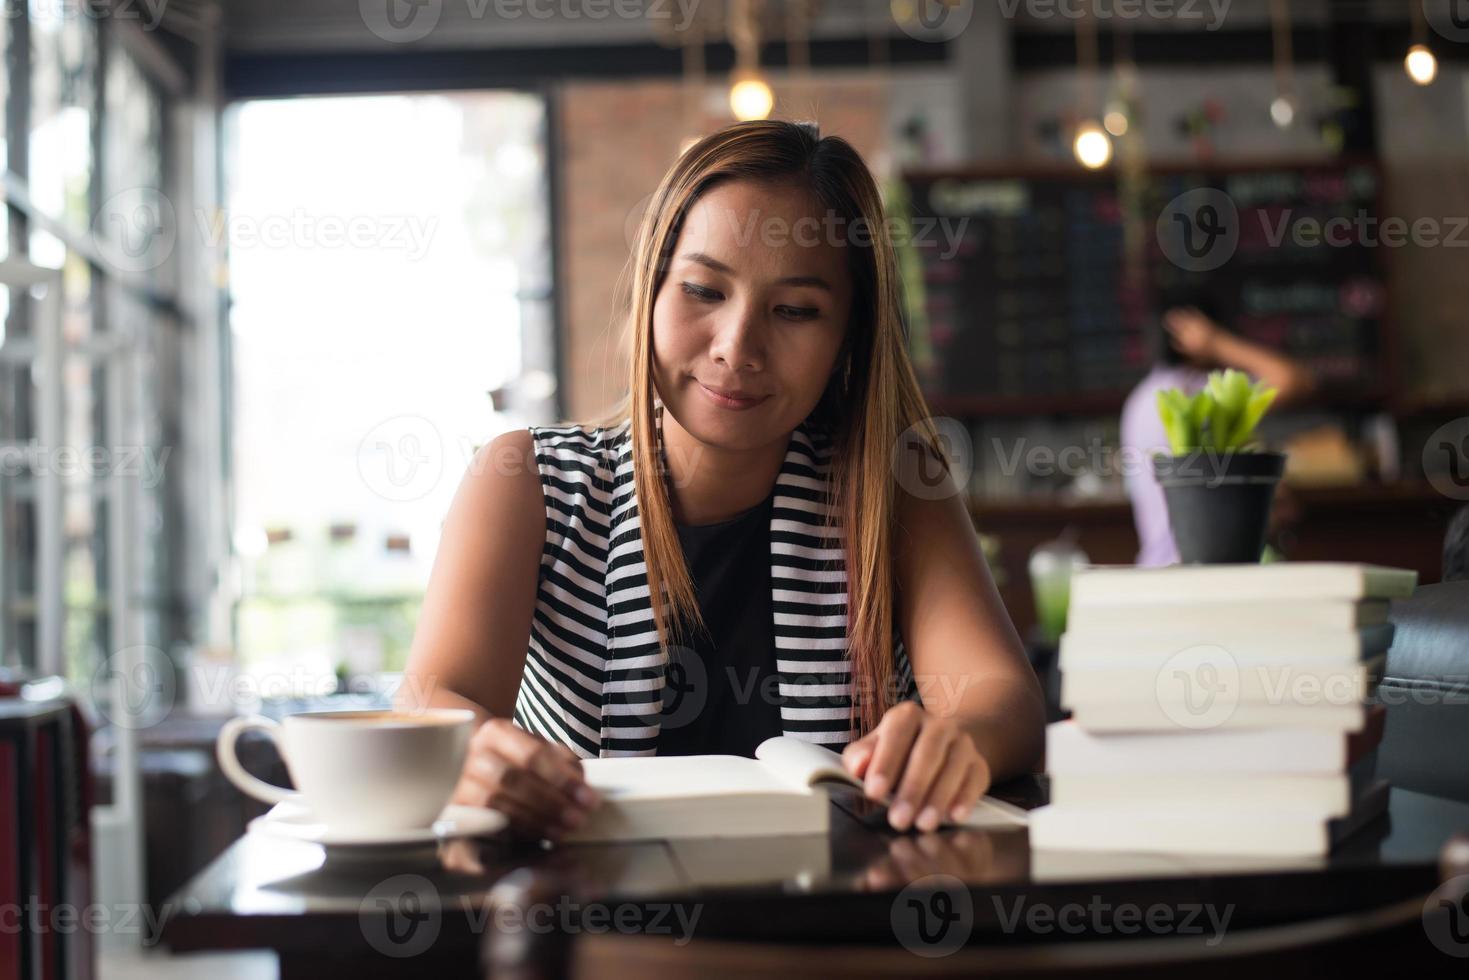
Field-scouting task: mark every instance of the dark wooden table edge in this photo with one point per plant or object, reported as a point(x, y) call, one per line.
point(186, 931)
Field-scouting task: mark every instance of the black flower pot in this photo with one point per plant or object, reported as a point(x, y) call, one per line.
point(1219, 503)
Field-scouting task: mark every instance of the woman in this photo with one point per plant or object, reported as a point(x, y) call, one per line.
point(769, 390)
point(1187, 345)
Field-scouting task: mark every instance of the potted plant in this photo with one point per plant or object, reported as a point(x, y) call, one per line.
point(1218, 491)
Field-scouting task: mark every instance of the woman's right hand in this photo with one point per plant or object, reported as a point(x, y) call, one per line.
point(537, 784)
point(1194, 334)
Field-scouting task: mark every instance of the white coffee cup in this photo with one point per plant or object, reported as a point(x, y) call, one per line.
point(360, 771)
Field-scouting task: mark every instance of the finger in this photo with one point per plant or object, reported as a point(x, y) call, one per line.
point(925, 759)
point(976, 850)
point(495, 783)
point(534, 813)
point(527, 751)
point(488, 780)
point(477, 782)
point(462, 856)
point(858, 754)
point(936, 848)
point(976, 782)
point(470, 792)
point(506, 779)
point(526, 823)
point(883, 876)
point(586, 795)
point(902, 851)
point(935, 806)
point(529, 818)
point(911, 862)
point(895, 734)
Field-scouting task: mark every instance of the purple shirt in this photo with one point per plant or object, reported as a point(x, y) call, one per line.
point(1141, 434)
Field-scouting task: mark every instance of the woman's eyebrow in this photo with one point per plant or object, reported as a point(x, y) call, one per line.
point(816, 281)
point(718, 266)
point(707, 260)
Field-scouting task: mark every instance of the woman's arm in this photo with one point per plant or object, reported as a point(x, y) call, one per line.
point(473, 631)
point(1203, 340)
point(983, 715)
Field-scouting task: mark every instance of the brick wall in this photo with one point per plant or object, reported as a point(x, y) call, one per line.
point(616, 139)
point(615, 142)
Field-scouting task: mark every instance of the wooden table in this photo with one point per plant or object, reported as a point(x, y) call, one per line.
point(435, 913)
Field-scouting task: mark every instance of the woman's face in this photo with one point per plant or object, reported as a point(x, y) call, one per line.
point(750, 318)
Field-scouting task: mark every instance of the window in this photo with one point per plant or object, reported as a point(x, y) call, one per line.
point(389, 278)
point(63, 442)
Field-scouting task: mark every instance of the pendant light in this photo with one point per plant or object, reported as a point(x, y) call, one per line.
point(750, 96)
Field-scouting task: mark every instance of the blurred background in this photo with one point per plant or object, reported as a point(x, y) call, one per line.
point(273, 271)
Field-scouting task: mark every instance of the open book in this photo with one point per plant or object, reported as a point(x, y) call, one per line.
point(670, 797)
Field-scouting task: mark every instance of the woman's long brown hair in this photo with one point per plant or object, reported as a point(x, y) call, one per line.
point(872, 400)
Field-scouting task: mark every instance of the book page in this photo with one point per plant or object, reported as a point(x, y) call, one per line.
point(802, 764)
point(805, 764)
point(681, 777)
point(992, 813)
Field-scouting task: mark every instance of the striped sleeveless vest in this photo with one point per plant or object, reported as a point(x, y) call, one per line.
point(594, 674)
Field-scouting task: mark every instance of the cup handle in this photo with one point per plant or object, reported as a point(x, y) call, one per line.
point(230, 763)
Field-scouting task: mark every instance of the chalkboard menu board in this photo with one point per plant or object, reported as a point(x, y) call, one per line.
point(1029, 292)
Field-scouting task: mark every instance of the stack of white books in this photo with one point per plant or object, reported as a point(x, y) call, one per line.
point(1219, 709)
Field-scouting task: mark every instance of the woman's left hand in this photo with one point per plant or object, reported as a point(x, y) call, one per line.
point(932, 763)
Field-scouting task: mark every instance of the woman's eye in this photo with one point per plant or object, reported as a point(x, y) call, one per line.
point(701, 292)
point(797, 312)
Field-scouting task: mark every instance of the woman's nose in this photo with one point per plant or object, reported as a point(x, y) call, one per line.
point(739, 340)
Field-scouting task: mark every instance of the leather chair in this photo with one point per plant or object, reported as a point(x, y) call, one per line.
point(1425, 687)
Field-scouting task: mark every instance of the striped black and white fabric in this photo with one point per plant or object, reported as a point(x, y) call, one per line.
point(594, 673)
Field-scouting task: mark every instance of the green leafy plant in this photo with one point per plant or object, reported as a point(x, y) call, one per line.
point(1221, 417)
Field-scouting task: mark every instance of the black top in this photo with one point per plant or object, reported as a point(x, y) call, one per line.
point(721, 693)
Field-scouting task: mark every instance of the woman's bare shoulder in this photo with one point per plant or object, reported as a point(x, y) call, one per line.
point(501, 490)
point(502, 504)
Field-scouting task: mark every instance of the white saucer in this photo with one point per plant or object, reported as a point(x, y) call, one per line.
point(295, 821)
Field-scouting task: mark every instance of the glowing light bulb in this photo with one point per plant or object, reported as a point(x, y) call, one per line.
point(1093, 148)
point(751, 98)
point(1421, 65)
point(1282, 111)
point(1115, 122)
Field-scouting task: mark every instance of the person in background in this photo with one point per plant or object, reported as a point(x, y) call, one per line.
point(1188, 345)
point(1456, 547)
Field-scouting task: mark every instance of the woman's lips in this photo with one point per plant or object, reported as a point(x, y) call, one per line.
point(727, 399)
